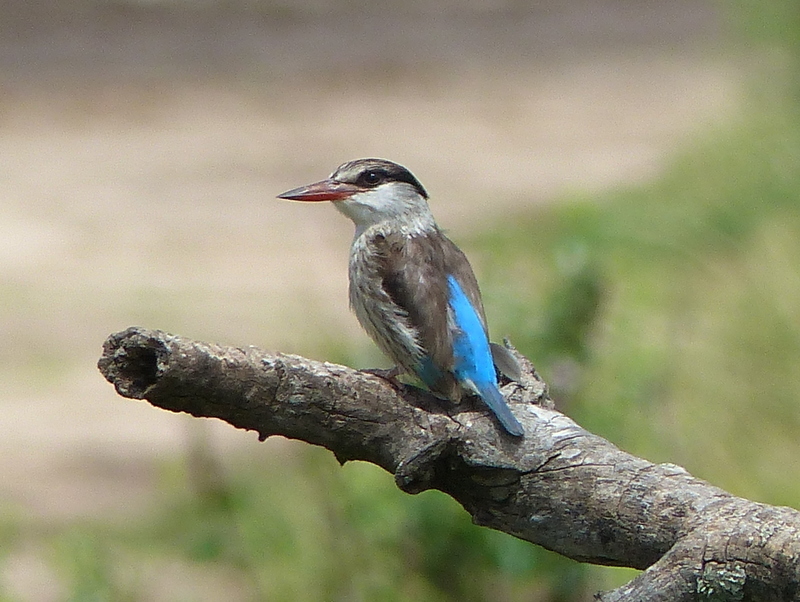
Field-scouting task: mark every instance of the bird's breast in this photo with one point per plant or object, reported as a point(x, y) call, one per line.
point(381, 317)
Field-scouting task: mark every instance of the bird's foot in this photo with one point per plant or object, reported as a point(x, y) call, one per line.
point(389, 376)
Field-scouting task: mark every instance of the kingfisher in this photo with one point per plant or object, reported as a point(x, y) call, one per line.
point(411, 288)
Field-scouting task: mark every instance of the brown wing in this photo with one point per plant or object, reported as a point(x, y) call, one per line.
point(457, 265)
point(415, 271)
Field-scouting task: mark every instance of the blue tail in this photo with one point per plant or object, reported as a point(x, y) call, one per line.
point(493, 398)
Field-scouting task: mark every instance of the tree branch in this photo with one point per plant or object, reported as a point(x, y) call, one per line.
point(560, 486)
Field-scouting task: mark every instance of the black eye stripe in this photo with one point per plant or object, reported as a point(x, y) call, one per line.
point(403, 175)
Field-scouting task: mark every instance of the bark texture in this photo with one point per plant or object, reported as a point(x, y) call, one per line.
point(560, 486)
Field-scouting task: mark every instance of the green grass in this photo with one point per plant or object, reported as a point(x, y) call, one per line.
point(300, 527)
point(675, 308)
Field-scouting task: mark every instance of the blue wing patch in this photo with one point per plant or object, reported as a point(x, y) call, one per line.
point(473, 358)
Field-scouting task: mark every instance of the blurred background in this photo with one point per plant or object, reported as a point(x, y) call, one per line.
point(624, 176)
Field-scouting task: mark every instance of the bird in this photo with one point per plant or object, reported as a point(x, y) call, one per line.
point(411, 288)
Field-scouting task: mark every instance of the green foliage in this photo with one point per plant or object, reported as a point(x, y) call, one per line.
point(772, 27)
point(88, 565)
point(686, 293)
point(304, 528)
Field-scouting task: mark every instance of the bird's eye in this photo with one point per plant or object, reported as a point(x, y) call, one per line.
point(371, 178)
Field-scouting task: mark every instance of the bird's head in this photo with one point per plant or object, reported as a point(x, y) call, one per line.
point(369, 192)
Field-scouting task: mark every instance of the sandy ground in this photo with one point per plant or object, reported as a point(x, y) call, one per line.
point(142, 148)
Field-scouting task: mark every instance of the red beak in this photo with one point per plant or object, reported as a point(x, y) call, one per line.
point(325, 190)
